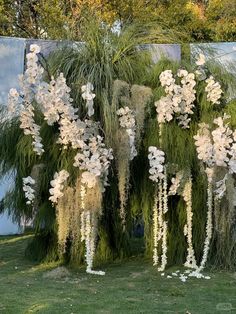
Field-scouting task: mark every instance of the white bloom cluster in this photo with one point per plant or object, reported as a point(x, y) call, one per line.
point(188, 97)
point(200, 72)
point(204, 144)
point(166, 78)
point(213, 90)
point(58, 185)
point(55, 101)
point(127, 121)
point(32, 76)
point(13, 102)
point(94, 160)
point(33, 71)
point(28, 82)
point(29, 191)
point(217, 148)
point(175, 183)
point(201, 60)
point(179, 99)
point(156, 161)
point(57, 107)
point(222, 140)
point(31, 128)
point(56, 104)
point(88, 95)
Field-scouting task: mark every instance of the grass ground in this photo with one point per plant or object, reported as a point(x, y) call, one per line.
point(133, 286)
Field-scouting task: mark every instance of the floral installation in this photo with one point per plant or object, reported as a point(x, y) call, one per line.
point(91, 156)
point(29, 191)
point(215, 146)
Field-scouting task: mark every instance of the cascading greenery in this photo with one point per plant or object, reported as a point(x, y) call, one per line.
point(122, 76)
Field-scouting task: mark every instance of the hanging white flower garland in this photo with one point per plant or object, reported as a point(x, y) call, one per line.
point(215, 149)
point(22, 105)
point(158, 175)
point(93, 158)
point(179, 100)
point(187, 196)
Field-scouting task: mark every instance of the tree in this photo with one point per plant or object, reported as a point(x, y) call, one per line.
point(36, 19)
point(221, 18)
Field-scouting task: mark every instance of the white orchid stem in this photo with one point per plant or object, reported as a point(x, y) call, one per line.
point(155, 230)
point(209, 225)
point(190, 260)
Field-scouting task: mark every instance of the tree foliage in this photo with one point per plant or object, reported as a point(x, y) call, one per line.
point(212, 20)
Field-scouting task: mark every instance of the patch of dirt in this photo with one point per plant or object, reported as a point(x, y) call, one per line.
point(57, 273)
point(138, 274)
point(131, 285)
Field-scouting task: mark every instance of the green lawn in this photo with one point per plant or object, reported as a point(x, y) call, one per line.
point(133, 286)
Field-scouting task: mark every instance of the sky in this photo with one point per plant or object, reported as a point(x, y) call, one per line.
point(12, 64)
